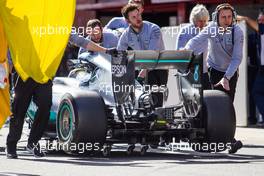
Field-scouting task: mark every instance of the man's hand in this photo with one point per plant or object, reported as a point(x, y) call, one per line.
point(141, 76)
point(240, 18)
point(111, 51)
point(224, 83)
point(142, 73)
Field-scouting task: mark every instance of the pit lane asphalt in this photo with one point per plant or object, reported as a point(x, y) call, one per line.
point(247, 161)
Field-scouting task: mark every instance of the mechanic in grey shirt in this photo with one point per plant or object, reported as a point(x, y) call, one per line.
point(117, 25)
point(198, 20)
point(225, 53)
point(226, 48)
point(143, 35)
point(148, 38)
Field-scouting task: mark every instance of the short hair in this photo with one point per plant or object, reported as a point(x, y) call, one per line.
point(224, 6)
point(128, 8)
point(93, 23)
point(199, 11)
point(136, 2)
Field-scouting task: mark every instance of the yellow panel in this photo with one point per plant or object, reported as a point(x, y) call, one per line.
point(37, 33)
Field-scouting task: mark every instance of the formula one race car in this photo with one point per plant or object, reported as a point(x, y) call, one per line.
point(100, 104)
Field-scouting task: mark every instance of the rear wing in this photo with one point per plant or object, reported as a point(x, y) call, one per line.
point(123, 67)
point(166, 59)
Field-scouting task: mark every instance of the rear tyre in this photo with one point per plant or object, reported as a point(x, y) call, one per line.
point(219, 121)
point(81, 123)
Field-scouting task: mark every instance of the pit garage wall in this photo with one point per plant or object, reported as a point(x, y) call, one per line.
point(241, 97)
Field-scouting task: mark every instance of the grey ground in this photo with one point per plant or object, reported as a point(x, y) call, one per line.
point(248, 161)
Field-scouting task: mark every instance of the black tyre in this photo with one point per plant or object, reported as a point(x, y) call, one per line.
point(81, 122)
point(219, 121)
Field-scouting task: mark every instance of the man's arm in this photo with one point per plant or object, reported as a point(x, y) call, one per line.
point(198, 42)
point(182, 39)
point(156, 42)
point(109, 40)
point(111, 24)
point(94, 47)
point(116, 22)
point(85, 43)
point(237, 53)
point(235, 60)
point(123, 41)
point(252, 23)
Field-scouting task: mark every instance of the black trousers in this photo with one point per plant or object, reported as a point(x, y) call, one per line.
point(205, 82)
point(258, 90)
point(26, 91)
point(252, 74)
point(157, 78)
point(215, 76)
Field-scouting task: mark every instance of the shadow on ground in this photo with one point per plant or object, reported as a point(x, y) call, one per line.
point(120, 158)
point(15, 174)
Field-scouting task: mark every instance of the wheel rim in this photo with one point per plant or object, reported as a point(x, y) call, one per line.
point(65, 122)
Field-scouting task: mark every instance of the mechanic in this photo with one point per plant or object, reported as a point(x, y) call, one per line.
point(143, 35)
point(224, 54)
point(198, 20)
point(42, 97)
point(96, 34)
point(117, 25)
point(258, 89)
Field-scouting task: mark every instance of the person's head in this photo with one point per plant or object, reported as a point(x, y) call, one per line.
point(225, 15)
point(132, 15)
point(140, 4)
point(261, 21)
point(199, 16)
point(261, 16)
point(94, 30)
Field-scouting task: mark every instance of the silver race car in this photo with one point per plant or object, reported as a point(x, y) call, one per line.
point(100, 103)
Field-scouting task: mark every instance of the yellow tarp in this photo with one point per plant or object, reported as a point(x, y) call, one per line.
point(37, 32)
point(4, 93)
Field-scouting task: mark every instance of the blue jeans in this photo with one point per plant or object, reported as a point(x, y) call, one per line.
point(258, 91)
